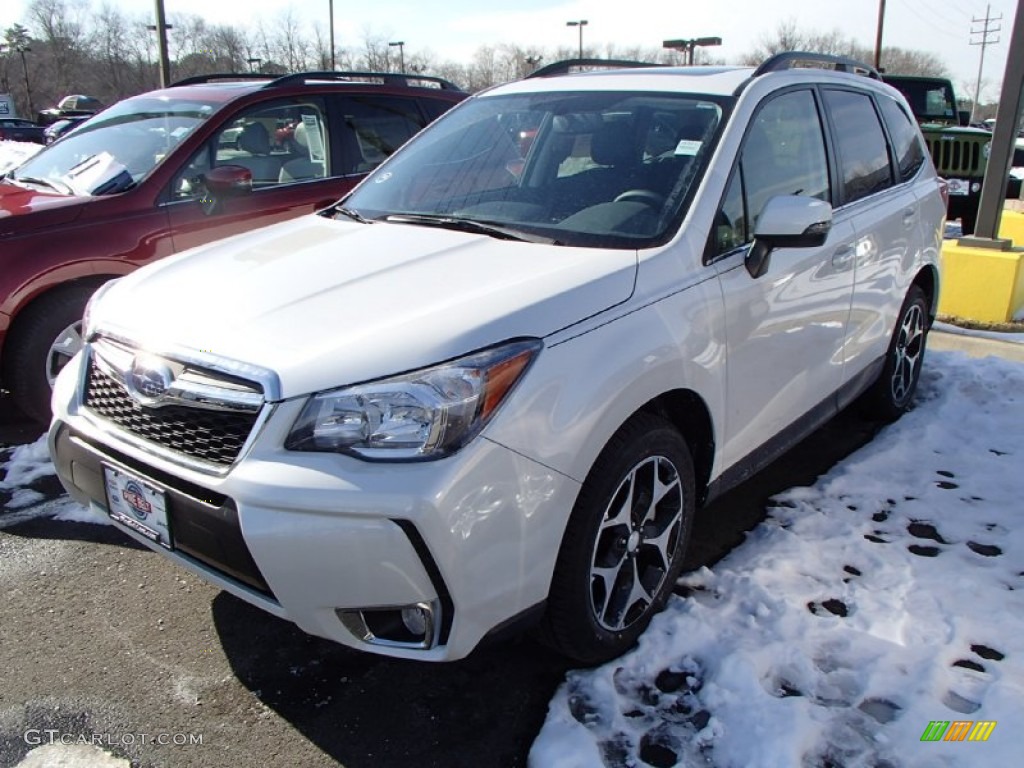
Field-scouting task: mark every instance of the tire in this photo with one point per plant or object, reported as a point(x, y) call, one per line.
point(45, 338)
point(617, 566)
point(891, 394)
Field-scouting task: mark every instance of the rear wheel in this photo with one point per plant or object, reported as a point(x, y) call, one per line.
point(624, 543)
point(890, 396)
point(47, 335)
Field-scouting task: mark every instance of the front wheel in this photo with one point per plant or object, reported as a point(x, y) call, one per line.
point(890, 396)
point(47, 335)
point(624, 543)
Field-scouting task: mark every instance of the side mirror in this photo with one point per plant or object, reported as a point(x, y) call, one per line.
point(787, 221)
point(223, 182)
point(964, 117)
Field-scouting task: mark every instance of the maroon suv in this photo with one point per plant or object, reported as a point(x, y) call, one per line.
point(171, 169)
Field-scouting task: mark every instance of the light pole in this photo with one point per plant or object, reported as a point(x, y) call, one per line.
point(581, 24)
point(878, 35)
point(330, 11)
point(688, 46)
point(400, 44)
point(161, 28)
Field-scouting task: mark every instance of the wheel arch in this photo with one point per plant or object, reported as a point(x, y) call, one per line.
point(689, 414)
point(928, 281)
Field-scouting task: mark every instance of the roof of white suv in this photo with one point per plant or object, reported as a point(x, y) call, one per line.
point(709, 80)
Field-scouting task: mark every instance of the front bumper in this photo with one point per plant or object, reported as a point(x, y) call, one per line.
point(308, 535)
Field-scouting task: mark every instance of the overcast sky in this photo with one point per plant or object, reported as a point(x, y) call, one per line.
point(453, 29)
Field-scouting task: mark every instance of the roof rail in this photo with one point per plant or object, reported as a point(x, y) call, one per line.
point(410, 80)
point(195, 79)
point(566, 67)
point(808, 60)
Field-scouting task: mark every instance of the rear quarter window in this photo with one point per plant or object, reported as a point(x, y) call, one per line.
point(906, 140)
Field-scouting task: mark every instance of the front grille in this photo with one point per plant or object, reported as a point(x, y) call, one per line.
point(211, 436)
point(957, 156)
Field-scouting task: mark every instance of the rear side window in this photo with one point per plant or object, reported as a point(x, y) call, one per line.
point(376, 127)
point(906, 142)
point(863, 153)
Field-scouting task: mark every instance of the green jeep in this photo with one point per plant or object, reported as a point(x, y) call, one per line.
point(960, 153)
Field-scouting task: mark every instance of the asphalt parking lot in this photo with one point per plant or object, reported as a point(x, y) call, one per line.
point(104, 641)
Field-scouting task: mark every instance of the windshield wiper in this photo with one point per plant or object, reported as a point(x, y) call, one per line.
point(351, 213)
point(474, 226)
point(63, 188)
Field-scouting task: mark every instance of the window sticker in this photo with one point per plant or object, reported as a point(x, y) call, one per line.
point(688, 147)
point(314, 139)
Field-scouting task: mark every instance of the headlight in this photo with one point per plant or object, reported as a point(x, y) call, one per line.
point(426, 414)
point(87, 328)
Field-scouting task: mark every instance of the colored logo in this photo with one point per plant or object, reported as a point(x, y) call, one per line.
point(135, 498)
point(958, 730)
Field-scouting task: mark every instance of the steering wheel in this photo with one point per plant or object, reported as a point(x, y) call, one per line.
point(645, 196)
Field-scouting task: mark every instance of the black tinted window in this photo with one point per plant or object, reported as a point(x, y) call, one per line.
point(905, 139)
point(863, 154)
point(378, 125)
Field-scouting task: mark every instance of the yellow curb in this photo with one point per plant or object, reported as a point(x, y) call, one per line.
point(982, 284)
point(1011, 227)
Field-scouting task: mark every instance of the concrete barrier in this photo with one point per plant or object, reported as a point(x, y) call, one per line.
point(985, 284)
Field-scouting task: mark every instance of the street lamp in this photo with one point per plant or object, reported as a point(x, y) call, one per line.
point(581, 24)
point(401, 54)
point(690, 45)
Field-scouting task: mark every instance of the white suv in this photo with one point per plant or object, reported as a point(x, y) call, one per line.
point(493, 384)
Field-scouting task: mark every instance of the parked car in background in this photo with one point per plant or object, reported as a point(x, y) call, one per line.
point(489, 388)
point(76, 105)
point(19, 129)
point(151, 176)
point(55, 130)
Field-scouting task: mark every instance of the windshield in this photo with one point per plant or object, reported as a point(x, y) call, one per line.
point(592, 169)
point(116, 149)
point(930, 100)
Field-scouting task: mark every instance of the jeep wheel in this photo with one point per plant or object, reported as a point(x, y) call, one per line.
point(46, 337)
point(624, 543)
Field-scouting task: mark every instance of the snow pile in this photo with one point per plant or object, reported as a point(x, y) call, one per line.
point(888, 595)
point(20, 469)
point(14, 153)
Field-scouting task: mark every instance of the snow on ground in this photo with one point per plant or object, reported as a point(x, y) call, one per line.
point(888, 595)
point(14, 153)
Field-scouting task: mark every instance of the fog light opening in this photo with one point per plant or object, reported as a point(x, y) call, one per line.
point(407, 626)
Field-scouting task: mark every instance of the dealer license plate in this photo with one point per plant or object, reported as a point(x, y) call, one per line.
point(958, 187)
point(137, 504)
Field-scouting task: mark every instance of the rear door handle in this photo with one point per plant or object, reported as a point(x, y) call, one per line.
point(908, 216)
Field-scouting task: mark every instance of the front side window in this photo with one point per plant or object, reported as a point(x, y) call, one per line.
point(783, 154)
point(599, 169)
point(118, 148)
point(863, 153)
point(279, 143)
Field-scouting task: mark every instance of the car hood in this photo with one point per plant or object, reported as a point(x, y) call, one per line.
point(48, 209)
point(325, 303)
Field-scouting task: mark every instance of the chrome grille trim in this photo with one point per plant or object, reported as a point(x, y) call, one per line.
point(173, 430)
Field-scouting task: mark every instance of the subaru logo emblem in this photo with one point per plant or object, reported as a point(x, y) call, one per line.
point(148, 379)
